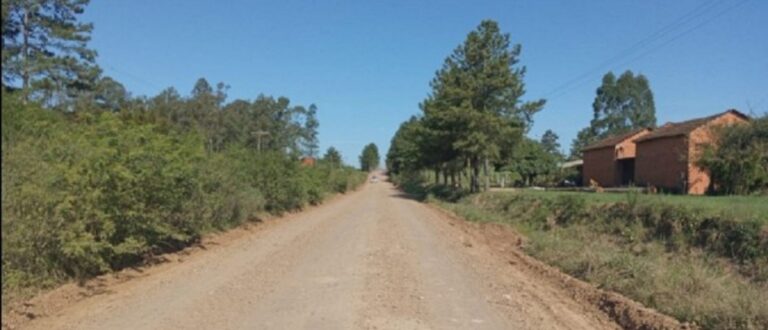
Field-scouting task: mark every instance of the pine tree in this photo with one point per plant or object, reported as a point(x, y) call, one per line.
point(369, 158)
point(309, 138)
point(45, 49)
point(405, 153)
point(475, 110)
point(333, 157)
point(550, 144)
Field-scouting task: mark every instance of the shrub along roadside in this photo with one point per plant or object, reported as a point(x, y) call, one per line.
point(700, 267)
point(89, 193)
point(679, 227)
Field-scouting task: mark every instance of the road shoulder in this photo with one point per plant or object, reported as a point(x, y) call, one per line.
point(504, 243)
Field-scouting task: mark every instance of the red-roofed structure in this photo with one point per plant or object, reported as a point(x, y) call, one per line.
point(611, 161)
point(308, 161)
point(664, 157)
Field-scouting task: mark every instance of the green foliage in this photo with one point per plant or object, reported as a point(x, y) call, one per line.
point(405, 152)
point(531, 161)
point(621, 105)
point(474, 115)
point(113, 179)
point(263, 124)
point(738, 161)
point(567, 209)
point(332, 157)
point(110, 195)
point(663, 254)
point(309, 132)
point(475, 108)
point(680, 227)
point(411, 182)
point(369, 158)
point(550, 144)
point(733, 207)
point(89, 192)
point(45, 49)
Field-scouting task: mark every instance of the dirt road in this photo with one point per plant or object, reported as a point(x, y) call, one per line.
point(371, 259)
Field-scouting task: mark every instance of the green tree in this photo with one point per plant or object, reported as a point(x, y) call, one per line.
point(369, 158)
point(531, 160)
point(110, 94)
point(45, 48)
point(236, 124)
point(621, 105)
point(168, 106)
point(738, 161)
point(204, 112)
point(405, 154)
point(333, 157)
point(475, 109)
point(550, 144)
point(277, 124)
point(309, 138)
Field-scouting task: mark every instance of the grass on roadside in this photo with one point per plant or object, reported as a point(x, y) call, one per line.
point(655, 263)
point(740, 207)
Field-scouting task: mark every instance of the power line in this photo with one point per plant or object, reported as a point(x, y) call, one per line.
point(658, 35)
point(696, 27)
point(132, 76)
point(674, 38)
point(696, 12)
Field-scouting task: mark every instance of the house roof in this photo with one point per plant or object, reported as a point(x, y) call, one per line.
point(572, 163)
point(613, 140)
point(684, 127)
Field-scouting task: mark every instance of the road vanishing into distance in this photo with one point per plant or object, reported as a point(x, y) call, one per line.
point(370, 259)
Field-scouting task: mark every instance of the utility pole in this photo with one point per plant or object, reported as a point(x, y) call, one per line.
point(259, 134)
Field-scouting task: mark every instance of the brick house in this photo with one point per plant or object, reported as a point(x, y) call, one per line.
point(611, 161)
point(308, 161)
point(666, 157)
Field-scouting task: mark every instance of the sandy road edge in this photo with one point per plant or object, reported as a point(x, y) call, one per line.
point(47, 302)
point(626, 312)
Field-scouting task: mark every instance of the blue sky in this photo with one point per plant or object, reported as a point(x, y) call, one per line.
point(367, 64)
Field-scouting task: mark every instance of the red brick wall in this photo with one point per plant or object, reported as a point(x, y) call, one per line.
point(599, 165)
point(628, 149)
point(625, 150)
point(308, 161)
point(662, 163)
point(698, 178)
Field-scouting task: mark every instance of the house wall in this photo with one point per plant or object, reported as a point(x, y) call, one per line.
point(627, 149)
point(662, 163)
point(698, 178)
point(308, 161)
point(599, 165)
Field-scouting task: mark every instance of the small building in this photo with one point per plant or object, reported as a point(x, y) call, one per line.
point(576, 163)
point(666, 157)
point(308, 161)
point(573, 169)
point(611, 162)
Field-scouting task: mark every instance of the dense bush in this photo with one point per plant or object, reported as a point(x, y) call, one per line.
point(411, 182)
point(414, 183)
point(743, 240)
point(84, 193)
point(667, 256)
point(738, 162)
